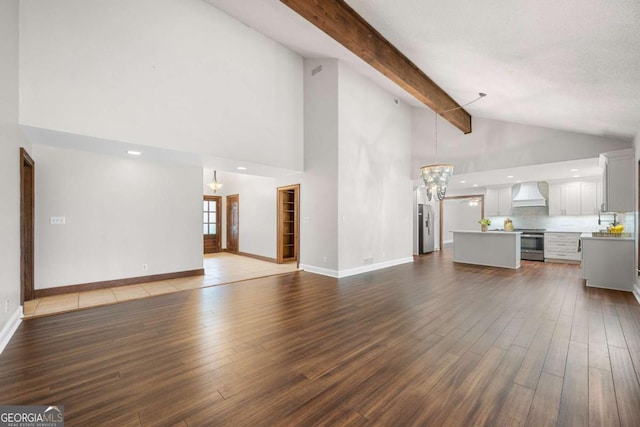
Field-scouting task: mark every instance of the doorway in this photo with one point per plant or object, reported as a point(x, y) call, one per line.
point(459, 213)
point(233, 223)
point(27, 210)
point(211, 213)
point(288, 223)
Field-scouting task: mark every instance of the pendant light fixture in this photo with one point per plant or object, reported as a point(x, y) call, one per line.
point(214, 184)
point(436, 177)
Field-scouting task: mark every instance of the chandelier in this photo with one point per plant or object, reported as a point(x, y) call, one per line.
point(436, 176)
point(214, 184)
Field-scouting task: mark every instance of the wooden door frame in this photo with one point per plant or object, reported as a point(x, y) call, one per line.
point(469, 196)
point(217, 199)
point(228, 225)
point(296, 240)
point(27, 223)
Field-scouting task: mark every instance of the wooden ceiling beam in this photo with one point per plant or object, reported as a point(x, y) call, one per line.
point(342, 23)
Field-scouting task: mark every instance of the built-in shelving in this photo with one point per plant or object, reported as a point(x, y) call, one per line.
point(288, 206)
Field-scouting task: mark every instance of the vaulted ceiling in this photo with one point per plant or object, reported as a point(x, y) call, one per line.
point(571, 65)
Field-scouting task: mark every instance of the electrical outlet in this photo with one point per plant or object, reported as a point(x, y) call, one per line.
point(58, 220)
point(324, 260)
point(368, 261)
point(6, 306)
point(145, 267)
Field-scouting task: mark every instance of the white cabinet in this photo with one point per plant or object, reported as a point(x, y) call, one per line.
point(609, 262)
point(575, 198)
point(618, 180)
point(590, 202)
point(498, 201)
point(562, 247)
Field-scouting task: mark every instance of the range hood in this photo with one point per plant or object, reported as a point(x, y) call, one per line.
point(529, 195)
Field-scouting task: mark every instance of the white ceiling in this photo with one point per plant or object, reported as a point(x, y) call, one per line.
point(570, 64)
point(572, 170)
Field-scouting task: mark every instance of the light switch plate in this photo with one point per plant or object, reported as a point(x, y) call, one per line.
point(58, 220)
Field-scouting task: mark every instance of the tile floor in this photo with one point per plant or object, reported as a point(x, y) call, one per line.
point(219, 268)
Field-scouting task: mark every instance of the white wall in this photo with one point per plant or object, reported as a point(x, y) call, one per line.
point(171, 74)
point(636, 144)
point(375, 187)
point(458, 215)
point(319, 188)
point(258, 209)
point(11, 139)
point(121, 212)
point(495, 144)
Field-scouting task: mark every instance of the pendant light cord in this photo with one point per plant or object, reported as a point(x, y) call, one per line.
point(480, 96)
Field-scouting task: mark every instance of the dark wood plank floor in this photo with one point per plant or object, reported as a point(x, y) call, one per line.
point(429, 343)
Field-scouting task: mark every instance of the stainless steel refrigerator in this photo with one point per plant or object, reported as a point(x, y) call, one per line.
point(425, 229)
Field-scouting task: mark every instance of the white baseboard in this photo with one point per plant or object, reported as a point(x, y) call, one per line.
point(319, 270)
point(10, 328)
point(357, 270)
point(372, 267)
point(636, 292)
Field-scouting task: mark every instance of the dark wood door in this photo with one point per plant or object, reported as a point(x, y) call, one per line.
point(288, 214)
point(233, 222)
point(27, 210)
point(211, 212)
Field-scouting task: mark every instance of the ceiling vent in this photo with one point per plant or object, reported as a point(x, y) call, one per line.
point(529, 195)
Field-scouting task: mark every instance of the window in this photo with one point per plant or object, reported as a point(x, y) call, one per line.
point(209, 217)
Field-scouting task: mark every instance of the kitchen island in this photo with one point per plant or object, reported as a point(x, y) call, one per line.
point(490, 248)
point(608, 262)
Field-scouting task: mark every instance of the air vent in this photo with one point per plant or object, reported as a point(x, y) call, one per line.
point(316, 70)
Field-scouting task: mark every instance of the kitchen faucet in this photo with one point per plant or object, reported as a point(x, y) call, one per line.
point(615, 219)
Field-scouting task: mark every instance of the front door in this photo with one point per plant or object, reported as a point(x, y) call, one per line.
point(211, 224)
point(233, 220)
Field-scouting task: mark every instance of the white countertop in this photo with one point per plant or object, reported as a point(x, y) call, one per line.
point(585, 236)
point(490, 232)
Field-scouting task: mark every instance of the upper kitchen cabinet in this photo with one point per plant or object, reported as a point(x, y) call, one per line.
point(618, 180)
point(590, 197)
point(498, 201)
point(575, 198)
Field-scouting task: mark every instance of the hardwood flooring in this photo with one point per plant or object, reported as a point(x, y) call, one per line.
point(428, 343)
point(220, 268)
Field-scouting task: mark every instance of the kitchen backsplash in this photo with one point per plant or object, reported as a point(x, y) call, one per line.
point(585, 223)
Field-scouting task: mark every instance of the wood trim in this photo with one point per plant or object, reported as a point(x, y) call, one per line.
point(337, 19)
point(228, 225)
point(248, 255)
point(480, 196)
point(27, 222)
point(218, 200)
point(47, 292)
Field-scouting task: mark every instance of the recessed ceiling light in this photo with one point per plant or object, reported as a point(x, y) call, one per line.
point(475, 185)
point(574, 170)
point(241, 168)
point(463, 182)
point(576, 176)
point(510, 176)
point(134, 152)
point(518, 182)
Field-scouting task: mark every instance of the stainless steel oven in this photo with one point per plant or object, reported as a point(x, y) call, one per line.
point(532, 244)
